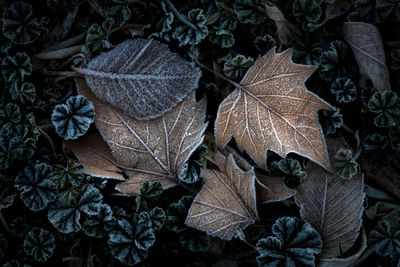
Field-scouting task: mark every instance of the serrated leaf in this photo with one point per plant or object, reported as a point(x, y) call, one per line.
point(141, 77)
point(333, 206)
point(366, 43)
point(153, 150)
point(272, 110)
point(227, 201)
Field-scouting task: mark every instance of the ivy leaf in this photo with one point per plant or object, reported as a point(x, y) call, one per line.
point(143, 68)
point(344, 89)
point(18, 24)
point(192, 34)
point(154, 219)
point(387, 106)
point(294, 243)
point(25, 94)
point(177, 213)
point(153, 150)
point(150, 192)
point(250, 11)
point(226, 203)
point(237, 66)
point(36, 186)
point(366, 43)
point(16, 67)
point(383, 240)
point(7, 192)
point(194, 240)
point(40, 244)
point(333, 206)
point(99, 225)
point(73, 118)
point(272, 110)
point(123, 243)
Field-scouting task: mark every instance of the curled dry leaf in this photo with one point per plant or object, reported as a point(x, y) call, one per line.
point(333, 206)
point(141, 77)
point(274, 13)
point(366, 43)
point(95, 156)
point(227, 202)
point(272, 110)
point(153, 150)
point(272, 189)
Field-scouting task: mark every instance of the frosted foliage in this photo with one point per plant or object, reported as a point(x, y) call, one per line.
point(141, 77)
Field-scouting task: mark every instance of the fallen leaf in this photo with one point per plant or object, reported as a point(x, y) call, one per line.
point(272, 110)
point(153, 150)
point(348, 261)
point(272, 189)
point(227, 202)
point(95, 157)
point(366, 43)
point(333, 206)
point(274, 13)
point(334, 8)
point(141, 77)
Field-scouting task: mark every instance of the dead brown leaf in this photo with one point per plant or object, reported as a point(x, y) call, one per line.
point(153, 150)
point(282, 31)
point(272, 189)
point(95, 157)
point(227, 202)
point(366, 43)
point(332, 205)
point(272, 110)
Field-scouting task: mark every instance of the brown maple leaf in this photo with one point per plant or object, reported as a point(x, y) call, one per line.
point(227, 202)
point(152, 150)
point(272, 110)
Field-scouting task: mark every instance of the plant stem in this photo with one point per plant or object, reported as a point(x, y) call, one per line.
point(48, 139)
point(179, 15)
point(4, 222)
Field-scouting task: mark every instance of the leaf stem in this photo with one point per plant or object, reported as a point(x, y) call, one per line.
point(51, 143)
point(196, 59)
point(181, 17)
point(4, 222)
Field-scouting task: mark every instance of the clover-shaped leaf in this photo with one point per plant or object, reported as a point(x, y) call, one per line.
point(177, 213)
point(387, 107)
point(24, 94)
point(36, 186)
point(73, 118)
point(294, 243)
point(154, 219)
point(40, 244)
point(65, 216)
point(16, 67)
point(194, 32)
point(306, 11)
point(7, 192)
point(99, 225)
point(344, 89)
point(383, 240)
point(124, 241)
point(71, 175)
point(236, 67)
point(222, 37)
point(150, 192)
point(18, 24)
point(250, 11)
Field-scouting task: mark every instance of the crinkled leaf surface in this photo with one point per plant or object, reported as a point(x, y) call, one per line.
point(227, 201)
point(273, 111)
point(333, 206)
point(366, 43)
point(384, 240)
point(154, 219)
point(100, 224)
point(40, 244)
point(141, 77)
point(153, 150)
point(177, 213)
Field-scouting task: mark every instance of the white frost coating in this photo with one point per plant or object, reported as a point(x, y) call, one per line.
point(141, 77)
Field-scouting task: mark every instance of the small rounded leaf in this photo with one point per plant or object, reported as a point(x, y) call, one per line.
point(383, 241)
point(73, 118)
point(40, 244)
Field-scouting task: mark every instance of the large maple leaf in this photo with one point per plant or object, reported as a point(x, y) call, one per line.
point(272, 110)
